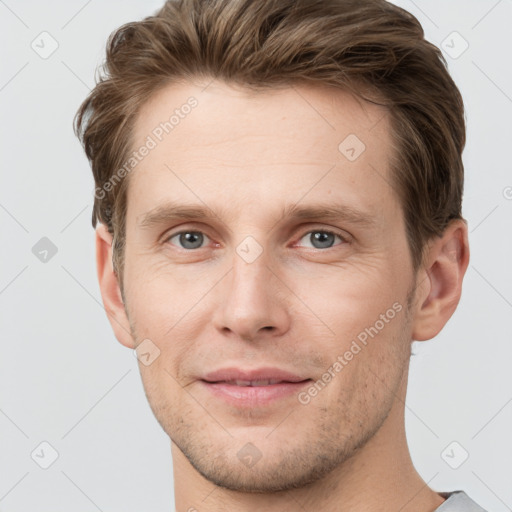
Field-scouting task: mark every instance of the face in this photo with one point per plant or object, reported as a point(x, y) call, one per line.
point(262, 232)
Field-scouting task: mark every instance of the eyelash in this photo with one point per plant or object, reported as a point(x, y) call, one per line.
point(327, 231)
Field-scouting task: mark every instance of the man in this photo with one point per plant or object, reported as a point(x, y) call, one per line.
point(278, 191)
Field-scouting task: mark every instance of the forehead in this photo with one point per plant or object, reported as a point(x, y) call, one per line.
point(224, 108)
point(287, 142)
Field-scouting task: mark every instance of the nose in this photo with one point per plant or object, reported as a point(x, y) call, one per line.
point(253, 302)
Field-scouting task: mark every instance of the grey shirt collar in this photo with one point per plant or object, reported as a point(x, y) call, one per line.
point(458, 501)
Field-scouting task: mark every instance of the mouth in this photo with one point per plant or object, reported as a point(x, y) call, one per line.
point(252, 383)
point(253, 387)
point(254, 393)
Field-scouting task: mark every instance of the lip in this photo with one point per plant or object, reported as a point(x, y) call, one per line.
point(253, 396)
point(266, 373)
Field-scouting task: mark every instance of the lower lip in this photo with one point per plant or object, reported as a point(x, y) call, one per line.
point(254, 395)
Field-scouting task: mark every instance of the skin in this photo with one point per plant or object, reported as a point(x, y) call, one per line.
point(298, 305)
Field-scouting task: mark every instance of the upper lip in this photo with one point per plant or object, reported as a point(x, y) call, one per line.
point(267, 373)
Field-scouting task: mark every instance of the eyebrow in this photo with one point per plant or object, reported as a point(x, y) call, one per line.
point(170, 211)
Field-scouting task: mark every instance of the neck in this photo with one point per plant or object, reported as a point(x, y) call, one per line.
point(380, 476)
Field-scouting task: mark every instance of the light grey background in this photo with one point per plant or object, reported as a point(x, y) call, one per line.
point(64, 378)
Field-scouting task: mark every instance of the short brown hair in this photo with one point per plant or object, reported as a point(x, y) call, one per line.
point(358, 45)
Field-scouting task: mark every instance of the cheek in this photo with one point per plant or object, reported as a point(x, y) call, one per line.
point(349, 301)
point(367, 332)
point(159, 297)
point(365, 370)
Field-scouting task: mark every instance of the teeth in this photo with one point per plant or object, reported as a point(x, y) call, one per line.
point(266, 382)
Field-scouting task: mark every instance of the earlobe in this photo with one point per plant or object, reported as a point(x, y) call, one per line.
point(109, 287)
point(448, 258)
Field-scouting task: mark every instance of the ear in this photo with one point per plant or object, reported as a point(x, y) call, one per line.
point(440, 281)
point(110, 290)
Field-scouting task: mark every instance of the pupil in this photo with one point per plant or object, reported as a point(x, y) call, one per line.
point(191, 238)
point(323, 238)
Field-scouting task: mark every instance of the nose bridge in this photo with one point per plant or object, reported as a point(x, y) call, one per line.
point(250, 274)
point(249, 297)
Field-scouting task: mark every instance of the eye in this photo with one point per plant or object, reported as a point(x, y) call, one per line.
point(321, 238)
point(189, 239)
